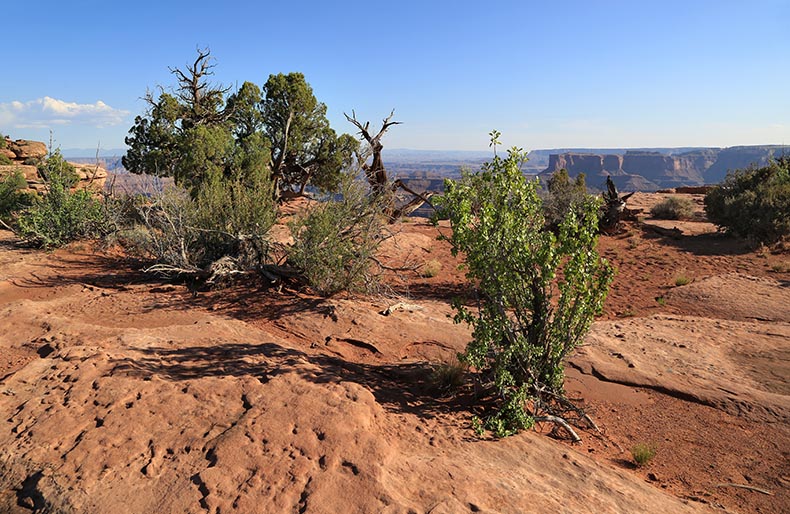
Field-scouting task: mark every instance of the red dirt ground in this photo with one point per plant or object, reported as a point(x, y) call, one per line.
point(702, 450)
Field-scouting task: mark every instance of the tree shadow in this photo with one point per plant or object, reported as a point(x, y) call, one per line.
point(709, 244)
point(442, 291)
point(107, 272)
point(400, 387)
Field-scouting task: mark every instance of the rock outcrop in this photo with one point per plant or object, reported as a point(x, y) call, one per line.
point(23, 149)
point(24, 156)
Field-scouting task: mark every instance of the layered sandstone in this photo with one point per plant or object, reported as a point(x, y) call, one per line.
point(643, 170)
point(25, 155)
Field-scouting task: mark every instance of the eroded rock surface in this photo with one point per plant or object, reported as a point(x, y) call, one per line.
point(129, 401)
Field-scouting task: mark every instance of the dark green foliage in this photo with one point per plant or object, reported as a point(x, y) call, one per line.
point(753, 203)
point(334, 242)
point(12, 196)
point(305, 150)
point(153, 139)
point(537, 292)
point(563, 195)
point(61, 215)
point(197, 132)
point(673, 208)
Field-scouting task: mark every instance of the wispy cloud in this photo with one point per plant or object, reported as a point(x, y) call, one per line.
point(47, 112)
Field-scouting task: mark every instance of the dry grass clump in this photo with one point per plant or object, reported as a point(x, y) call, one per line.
point(643, 453)
point(430, 268)
point(448, 377)
point(673, 208)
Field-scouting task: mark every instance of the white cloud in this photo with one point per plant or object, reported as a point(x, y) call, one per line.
point(46, 112)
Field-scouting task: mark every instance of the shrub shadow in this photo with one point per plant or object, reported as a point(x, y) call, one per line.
point(710, 244)
point(400, 387)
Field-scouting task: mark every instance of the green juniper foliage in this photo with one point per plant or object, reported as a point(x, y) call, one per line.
point(198, 131)
point(753, 203)
point(537, 292)
point(563, 194)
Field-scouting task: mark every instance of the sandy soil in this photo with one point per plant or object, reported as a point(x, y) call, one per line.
point(122, 394)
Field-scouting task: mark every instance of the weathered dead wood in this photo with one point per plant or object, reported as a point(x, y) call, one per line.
point(401, 306)
point(561, 422)
point(747, 487)
point(375, 171)
point(613, 208)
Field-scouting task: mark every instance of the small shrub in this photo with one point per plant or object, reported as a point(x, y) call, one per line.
point(661, 301)
point(182, 234)
point(430, 269)
point(5, 160)
point(12, 196)
point(673, 208)
point(537, 292)
point(682, 280)
point(448, 377)
point(643, 453)
point(562, 196)
point(55, 164)
point(336, 240)
point(61, 215)
point(753, 203)
point(780, 267)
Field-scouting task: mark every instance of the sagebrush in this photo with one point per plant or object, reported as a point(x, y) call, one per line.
point(335, 240)
point(185, 233)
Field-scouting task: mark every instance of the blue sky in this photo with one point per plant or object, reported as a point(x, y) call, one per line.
point(546, 74)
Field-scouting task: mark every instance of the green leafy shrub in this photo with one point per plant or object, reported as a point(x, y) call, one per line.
point(5, 160)
point(643, 453)
point(753, 203)
point(673, 208)
point(61, 215)
point(336, 240)
point(12, 196)
point(537, 292)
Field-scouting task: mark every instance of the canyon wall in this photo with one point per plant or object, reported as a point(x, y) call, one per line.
point(645, 170)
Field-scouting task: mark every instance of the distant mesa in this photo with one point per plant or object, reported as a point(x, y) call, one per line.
point(649, 170)
point(25, 155)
